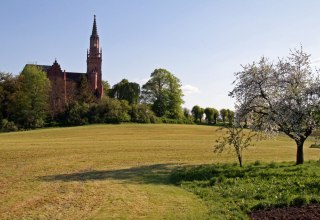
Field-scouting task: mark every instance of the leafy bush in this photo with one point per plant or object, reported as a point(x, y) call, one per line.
point(257, 163)
point(299, 201)
point(8, 126)
point(141, 113)
point(77, 114)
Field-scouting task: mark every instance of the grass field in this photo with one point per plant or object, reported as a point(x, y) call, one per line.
point(113, 171)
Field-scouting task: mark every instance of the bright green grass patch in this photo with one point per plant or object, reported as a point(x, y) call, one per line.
point(232, 192)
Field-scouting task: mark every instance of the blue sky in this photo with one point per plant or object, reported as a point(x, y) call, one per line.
point(202, 42)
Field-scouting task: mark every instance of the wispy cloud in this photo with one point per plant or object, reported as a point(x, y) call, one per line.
point(189, 89)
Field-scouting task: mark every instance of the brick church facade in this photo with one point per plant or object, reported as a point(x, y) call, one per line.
point(65, 85)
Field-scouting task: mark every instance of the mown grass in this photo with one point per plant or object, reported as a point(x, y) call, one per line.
point(114, 171)
point(232, 192)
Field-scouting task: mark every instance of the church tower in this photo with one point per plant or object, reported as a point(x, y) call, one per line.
point(94, 61)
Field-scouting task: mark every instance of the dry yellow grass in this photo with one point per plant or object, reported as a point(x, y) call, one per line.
point(112, 171)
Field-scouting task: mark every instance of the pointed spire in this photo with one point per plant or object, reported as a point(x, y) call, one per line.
point(94, 28)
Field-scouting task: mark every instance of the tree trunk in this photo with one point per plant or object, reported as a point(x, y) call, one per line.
point(240, 160)
point(299, 152)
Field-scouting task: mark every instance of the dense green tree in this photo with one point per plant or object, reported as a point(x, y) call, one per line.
point(209, 114)
point(224, 115)
point(197, 113)
point(163, 92)
point(215, 116)
point(230, 116)
point(109, 110)
point(85, 92)
point(31, 100)
point(187, 113)
point(106, 87)
point(7, 126)
point(201, 114)
point(77, 114)
point(174, 109)
point(8, 86)
point(126, 90)
point(141, 113)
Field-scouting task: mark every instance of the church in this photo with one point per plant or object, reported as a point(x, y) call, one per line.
point(64, 85)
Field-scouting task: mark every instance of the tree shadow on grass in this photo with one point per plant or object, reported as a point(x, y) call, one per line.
point(150, 174)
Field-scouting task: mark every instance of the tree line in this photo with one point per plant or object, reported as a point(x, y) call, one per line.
point(27, 102)
point(212, 115)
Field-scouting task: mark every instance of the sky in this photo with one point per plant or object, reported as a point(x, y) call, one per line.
point(202, 42)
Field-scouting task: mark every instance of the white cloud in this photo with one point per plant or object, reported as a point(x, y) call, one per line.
point(189, 89)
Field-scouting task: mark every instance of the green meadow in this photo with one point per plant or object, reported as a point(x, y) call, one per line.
point(122, 171)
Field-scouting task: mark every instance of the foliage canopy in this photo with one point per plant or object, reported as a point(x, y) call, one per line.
point(281, 97)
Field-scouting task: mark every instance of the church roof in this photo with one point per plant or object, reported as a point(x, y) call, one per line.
point(44, 67)
point(74, 76)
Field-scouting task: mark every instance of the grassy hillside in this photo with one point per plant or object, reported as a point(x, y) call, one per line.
point(113, 171)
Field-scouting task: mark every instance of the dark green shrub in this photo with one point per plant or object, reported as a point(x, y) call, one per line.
point(314, 200)
point(260, 206)
point(299, 201)
point(77, 114)
point(257, 163)
point(272, 165)
point(8, 126)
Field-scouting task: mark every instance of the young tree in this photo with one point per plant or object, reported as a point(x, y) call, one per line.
point(237, 139)
point(282, 97)
point(163, 92)
point(31, 100)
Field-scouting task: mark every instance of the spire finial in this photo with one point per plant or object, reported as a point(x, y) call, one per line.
point(94, 28)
